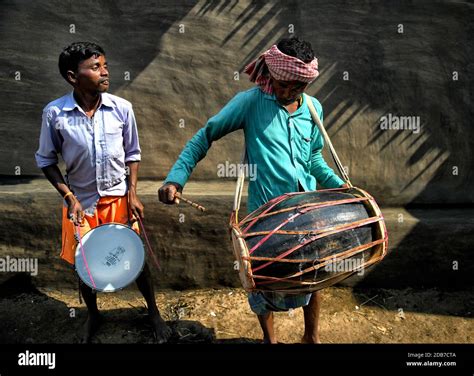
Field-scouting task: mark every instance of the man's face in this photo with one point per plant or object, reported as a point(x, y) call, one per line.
point(92, 75)
point(287, 92)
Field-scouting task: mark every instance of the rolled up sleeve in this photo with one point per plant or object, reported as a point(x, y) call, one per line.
point(131, 142)
point(49, 143)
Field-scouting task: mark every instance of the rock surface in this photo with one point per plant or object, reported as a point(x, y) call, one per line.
point(181, 57)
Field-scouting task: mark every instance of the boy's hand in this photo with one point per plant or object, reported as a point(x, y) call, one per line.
point(167, 193)
point(135, 206)
point(74, 211)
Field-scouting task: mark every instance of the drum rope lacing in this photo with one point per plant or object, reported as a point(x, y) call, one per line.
point(323, 233)
point(314, 235)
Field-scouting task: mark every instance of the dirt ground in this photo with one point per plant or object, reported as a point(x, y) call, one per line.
point(48, 315)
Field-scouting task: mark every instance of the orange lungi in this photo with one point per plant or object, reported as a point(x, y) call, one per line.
point(109, 209)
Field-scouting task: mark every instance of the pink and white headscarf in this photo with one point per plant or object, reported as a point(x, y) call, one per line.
point(281, 67)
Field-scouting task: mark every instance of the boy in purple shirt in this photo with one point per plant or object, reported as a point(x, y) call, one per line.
point(96, 135)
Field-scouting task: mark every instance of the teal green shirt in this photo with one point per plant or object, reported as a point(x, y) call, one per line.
point(285, 148)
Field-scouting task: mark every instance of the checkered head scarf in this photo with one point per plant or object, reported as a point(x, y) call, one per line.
point(281, 67)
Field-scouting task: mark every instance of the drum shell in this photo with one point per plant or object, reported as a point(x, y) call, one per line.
point(314, 264)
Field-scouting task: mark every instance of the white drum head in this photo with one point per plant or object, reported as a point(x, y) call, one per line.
point(114, 254)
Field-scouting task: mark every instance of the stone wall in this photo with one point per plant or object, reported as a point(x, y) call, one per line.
point(181, 58)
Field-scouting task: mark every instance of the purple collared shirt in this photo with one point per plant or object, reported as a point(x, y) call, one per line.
point(94, 150)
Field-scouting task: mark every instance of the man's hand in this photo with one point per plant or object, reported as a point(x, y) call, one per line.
point(135, 205)
point(74, 211)
point(344, 186)
point(167, 193)
point(74, 207)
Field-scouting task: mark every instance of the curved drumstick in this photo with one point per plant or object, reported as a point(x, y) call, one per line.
point(193, 204)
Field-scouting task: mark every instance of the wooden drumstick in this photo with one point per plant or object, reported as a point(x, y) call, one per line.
point(193, 204)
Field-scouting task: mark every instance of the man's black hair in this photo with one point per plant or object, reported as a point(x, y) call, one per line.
point(297, 48)
point(76, 52)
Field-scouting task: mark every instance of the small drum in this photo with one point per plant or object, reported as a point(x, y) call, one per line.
point(303, 242)
point(112, 257)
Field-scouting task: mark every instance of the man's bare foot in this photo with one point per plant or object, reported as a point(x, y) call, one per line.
point(90, 327)
point(310, 339)
point(161, 331)
point(267, 341)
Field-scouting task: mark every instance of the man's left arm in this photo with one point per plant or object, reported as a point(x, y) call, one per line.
point(132, 160)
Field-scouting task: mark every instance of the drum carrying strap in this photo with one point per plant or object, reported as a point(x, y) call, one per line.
point(240, 186)
point(241, 171)
point(322, 130)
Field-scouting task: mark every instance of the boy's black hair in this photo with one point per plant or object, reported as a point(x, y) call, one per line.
point(76, 52)
point(297, 48)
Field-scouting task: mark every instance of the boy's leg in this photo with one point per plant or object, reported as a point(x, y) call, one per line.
point(266, 323)
point(311, 319)
point(145, 285)
point(93, 317)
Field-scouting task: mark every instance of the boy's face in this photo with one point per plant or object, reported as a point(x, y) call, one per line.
point(286, 92)
point(92, 75)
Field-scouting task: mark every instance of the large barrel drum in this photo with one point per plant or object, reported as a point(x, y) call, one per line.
point(303, 242)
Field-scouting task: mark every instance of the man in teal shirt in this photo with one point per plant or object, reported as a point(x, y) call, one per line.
point(281, 141)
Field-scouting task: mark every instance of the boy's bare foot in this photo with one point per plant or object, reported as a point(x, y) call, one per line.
point(310, 340)
point(90, 327)
point(267, 341)
point(161, 330)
